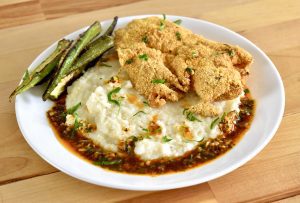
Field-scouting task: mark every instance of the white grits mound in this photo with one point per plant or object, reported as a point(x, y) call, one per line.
point(116, 123)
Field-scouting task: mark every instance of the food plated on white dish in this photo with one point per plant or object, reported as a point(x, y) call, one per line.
point(164, 100)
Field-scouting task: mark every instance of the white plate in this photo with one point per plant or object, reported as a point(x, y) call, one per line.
point(265, 85)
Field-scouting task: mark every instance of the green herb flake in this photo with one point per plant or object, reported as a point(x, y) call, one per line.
point(194, 54)
point(129, 61)
point(230, 52)
point(223, 117)
point(111, 93)
point(146, 103)
point(73, 109)
point(164, 16)
point(158, 130)
point(143, 57)
point(105, 162)
point(161, 25)
point(178, 22)
point(190, 116)
point(76, 126)
point(145, 129)
point(246, 91)
point(215, 122)
point(166, 139)
point(145, 39)
point(147, 136)
point(184, 111)
point(158, 81)
point(190, 70)
point(139, 112)
point(178, 36)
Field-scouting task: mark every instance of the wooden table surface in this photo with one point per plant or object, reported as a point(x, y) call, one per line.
point(29, 26)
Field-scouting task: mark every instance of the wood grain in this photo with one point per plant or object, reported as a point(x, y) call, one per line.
point(68, 189)
point(25, 12)
point(273, 25)
point(294, 199)
point(58, 186)
point(277, 175)
point(59, 8)
point(19, 12)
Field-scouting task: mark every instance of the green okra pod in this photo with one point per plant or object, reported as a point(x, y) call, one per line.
point(54, 89)
point(43, 70)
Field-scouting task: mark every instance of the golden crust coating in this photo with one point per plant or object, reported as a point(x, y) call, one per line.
point(205, 109)
point(144, 74)
point(212, 83)
point(186, 61)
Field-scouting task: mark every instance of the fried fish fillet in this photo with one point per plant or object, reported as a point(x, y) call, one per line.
point(153, 49)
point(146, 72)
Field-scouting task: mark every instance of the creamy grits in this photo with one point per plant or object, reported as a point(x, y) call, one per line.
point(115, 123)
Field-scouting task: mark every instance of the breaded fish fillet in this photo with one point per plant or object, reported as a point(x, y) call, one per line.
point(165, 60)
point(149, 75)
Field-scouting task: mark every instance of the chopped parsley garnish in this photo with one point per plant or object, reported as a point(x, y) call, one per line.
point(166, 139)
point(230, 52)
point(217, 120)
point(143, 57)
point(110, 94)
point(105, 162)
point(214, 123)
point(129, 61)
point(194, 54)
point(145, 40)
point(76, 125)
point(158, 81)
point(178, 22)
point(184, 111)
point(161, 25)
point(147, 136)
point(246, 91)
point(158, 130)
point(223, 117)
point(139, 112)
point(178, 36)
point(190, 116)
point(164, 16)
point(190, 70)
point(73, 109)
point(146, 103)
point(145, 129)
